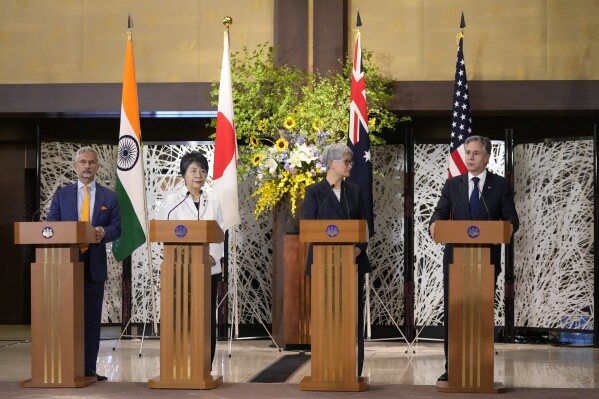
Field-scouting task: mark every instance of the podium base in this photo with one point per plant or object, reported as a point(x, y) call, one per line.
point(360, 385)
point(76, 383)
point(443, 386)
point(157, 383)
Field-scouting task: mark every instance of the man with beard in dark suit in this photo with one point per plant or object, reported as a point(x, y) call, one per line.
point(87, 200)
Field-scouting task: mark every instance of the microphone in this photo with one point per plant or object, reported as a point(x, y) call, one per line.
point(345, 196)
point(199, 203)
point(456, 200)
point(485, 204)
point(46, 202)
point(324, 202)
point(175, 207)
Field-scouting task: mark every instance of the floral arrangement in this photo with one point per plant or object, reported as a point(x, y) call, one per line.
point(285, 117)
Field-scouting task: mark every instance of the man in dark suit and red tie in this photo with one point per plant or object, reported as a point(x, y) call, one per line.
point(86, 200)
point(476, 195)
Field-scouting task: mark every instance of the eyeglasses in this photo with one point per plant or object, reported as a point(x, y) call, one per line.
point(83, 162)
point(347, 162)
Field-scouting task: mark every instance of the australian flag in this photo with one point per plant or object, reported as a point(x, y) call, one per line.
point(358, 139)
point(461, 124)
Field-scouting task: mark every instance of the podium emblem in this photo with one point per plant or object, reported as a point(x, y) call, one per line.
point(47, 232)
point(180, 231)
point(473, 232)
point(332, 230)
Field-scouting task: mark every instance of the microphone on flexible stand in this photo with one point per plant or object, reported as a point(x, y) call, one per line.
point(46, 202)
point(175, 207)
point(456, 200)
point(485, 204)
point(345, 196)
point(324, 202)
point(199, 203)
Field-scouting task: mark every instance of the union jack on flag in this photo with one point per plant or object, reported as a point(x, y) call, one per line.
point(461, 125)
point(358, 140)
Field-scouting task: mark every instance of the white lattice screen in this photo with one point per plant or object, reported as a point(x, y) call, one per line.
point(553, 260)
point(542, 300)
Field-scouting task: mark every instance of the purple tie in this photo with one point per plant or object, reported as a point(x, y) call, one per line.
point(474, 199)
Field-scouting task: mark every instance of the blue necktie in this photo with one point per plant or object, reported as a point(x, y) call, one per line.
point(474, 198)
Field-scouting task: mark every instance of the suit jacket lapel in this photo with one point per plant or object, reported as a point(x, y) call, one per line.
point(74, 201)
point(464, 201)
point(333, 204)
point(484, 191)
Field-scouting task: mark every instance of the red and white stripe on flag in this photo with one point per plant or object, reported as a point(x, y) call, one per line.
point(461, 124)
point(357, 108)
point(225, 148)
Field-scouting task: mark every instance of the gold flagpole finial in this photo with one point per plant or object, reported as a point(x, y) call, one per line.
point(227, 21)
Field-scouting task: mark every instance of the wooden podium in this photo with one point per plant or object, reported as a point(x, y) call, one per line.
point(471, 303)
point(57, 344)
point(185, 303)
point(334, 304)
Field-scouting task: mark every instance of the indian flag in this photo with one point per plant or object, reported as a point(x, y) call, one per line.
point(130, 179)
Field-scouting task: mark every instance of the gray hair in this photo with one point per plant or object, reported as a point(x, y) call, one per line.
point(485, 141)
point(85, 149)
point(335, 152)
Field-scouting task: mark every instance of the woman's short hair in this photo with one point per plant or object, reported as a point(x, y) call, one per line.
point(192, 157)
point(335, 152)
point(485, 141)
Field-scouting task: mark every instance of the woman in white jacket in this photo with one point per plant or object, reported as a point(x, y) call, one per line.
point(192, 202)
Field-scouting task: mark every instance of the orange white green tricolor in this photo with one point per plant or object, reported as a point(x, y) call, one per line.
point(130, 184)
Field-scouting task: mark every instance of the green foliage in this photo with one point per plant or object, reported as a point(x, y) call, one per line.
point(265, 94)
point(285, 117)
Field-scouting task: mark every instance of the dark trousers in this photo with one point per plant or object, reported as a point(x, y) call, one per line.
point(93, 298)
point(214, 279)
point(360, 322)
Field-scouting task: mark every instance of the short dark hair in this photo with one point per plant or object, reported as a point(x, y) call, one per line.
point(485, 141)
point(192, 157)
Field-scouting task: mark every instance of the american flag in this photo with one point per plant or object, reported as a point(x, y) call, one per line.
point(358, 140)
point(461, 125)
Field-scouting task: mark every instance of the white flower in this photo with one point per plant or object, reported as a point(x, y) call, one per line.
point(301, 153)
point(271, 164)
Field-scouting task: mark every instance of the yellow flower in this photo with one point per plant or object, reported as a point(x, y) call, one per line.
point(289, 123)
point(257, 159)
point(345, 125)
point(262, 125)
point(281, 144)
point(317, 124)
point(372, 122)
point(254, 142)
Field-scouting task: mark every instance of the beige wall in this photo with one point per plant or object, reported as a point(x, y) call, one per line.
point(83, 41)
point(504, 39)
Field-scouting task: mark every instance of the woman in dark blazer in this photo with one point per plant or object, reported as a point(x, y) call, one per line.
point(334, 198)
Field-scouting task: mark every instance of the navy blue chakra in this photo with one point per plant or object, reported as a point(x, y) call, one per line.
point(47, 232)
point(473, 232)
point(180, 231)
point(332, 230)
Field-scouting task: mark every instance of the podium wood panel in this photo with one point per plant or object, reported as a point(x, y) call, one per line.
point(296, 291)
point(185, 305)
point(334, 305)
point(471, 304)
point(57, 331)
